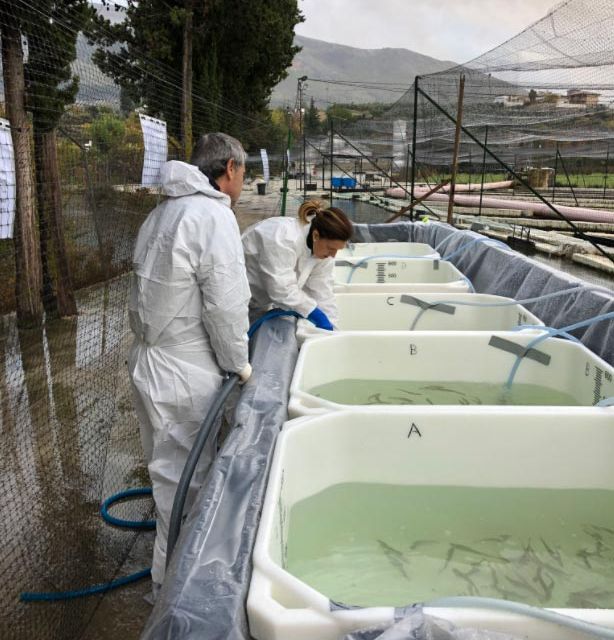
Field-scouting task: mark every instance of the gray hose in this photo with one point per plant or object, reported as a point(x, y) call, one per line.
point(192, 461)
point(525, 610)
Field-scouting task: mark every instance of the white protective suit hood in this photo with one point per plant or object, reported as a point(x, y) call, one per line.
point(183, 179)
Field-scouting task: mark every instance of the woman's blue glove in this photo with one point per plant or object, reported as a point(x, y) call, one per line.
point(320, 319)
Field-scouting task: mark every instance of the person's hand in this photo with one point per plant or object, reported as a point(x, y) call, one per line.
point(245, 373)
point(320, 319)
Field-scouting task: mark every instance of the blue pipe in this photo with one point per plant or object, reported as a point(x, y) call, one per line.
point(506, 303)
point(126, 524)
point(554, 332)
point(53, 596)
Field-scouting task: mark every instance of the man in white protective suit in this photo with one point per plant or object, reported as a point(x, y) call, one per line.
point(189, 314)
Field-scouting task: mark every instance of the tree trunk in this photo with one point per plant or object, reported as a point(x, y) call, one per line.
point(186, 82)
point(47, 293)
point(27, 249)
point(52, 221)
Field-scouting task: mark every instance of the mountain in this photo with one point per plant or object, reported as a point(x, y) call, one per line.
point(329, 61)
point(316, 60)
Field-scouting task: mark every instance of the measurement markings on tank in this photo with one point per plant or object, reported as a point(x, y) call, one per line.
point(598, 384)
point(413, 349)
point(380, 272)
point(413, 430)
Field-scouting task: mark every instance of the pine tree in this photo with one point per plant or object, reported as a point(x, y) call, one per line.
point(240, 51)
point(312, 120)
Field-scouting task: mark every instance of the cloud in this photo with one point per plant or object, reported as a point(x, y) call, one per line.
point(458, 30)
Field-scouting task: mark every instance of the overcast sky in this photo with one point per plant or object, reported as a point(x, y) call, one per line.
point(457, 30)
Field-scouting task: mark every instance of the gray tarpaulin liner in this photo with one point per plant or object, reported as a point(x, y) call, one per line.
point(206, 587)
point(204, 592)
point(494, 270)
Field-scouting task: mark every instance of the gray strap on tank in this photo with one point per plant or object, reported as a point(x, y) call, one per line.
point(347, 263)
point(444, 308)
point(435, 265)
point(519, 350)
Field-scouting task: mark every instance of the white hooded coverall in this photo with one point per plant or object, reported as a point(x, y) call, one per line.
point(189, 314)
point(282, 271)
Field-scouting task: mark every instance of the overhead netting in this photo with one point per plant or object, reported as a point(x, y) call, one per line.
point(78, 174)
point(542, 102)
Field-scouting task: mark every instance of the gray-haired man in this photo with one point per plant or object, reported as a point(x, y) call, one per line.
point(189, 314)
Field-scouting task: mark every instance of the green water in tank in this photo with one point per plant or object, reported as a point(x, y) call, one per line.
point(360, 391)
point(389, 545)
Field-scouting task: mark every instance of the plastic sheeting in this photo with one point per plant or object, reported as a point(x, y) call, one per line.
point(413, 624)
point(206, 586)
point(492, 269)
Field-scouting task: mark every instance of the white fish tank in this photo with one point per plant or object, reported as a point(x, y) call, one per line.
point(448, 371)
point(424, 312)
point(389, 249)
point(400, 275)
point(365, 512)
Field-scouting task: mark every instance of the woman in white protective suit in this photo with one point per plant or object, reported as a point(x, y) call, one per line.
point(189, 314)
point(290, 262)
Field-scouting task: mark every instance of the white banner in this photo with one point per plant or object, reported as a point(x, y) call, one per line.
point(265, 164)
point(399, 142)
point(156, 149)
point(7, 181)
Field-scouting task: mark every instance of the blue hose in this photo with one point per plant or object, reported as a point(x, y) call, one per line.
point(54, 596)
point(127, 524)
point(506, 303)
point(554, 332)
point(269, 315)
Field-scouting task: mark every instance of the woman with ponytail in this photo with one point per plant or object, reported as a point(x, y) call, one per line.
point(290, 262)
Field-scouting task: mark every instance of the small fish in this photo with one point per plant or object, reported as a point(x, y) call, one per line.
point(504, 537)
point(600, 528)
point(555, 554)
point(585, 555)
point(590, 599)
point(375, 399)
point(437, 387)
point(409, 393)
point(464, 548)
point(521, 583)
point(548, 587)
point(401, 400)
point(473, 589)
point(395, 557)
point(422, 543)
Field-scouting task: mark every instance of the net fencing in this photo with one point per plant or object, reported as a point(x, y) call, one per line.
point(543, 105)
point(78, 174)
point(78, 167)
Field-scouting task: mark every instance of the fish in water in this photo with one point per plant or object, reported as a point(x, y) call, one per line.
point(396, 558)
point(555, 554)
point(454, 548)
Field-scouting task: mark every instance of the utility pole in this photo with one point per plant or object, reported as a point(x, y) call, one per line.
point(286, 164)
point(413, 142)
point(457, 135)
point(301, 86)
